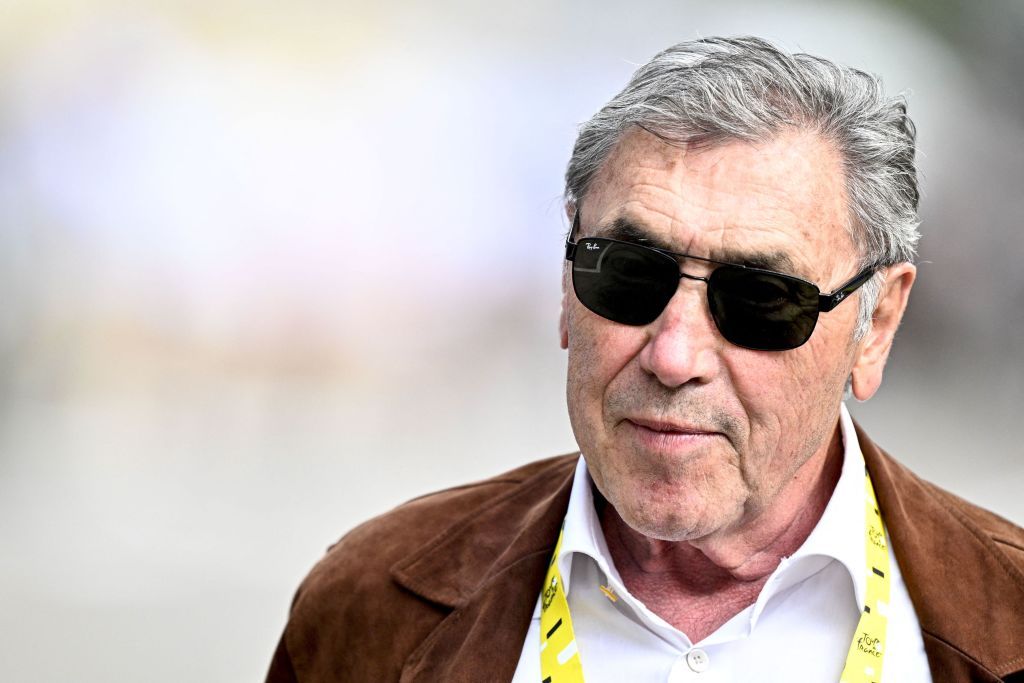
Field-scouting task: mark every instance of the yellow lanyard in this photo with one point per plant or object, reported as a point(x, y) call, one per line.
point(560, 657)
point(864, 661)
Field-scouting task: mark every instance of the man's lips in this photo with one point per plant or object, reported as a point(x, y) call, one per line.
point(670, 437)
point(670, 428)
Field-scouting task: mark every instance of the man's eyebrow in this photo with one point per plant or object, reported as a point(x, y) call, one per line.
point(778, 261)
point(627, 231)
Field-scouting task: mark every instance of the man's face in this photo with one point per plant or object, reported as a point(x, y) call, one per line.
point(686, 434)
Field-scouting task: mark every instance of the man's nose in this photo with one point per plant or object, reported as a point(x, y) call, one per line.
point(683, 343)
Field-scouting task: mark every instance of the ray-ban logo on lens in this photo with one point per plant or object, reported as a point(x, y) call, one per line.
point(593, 247)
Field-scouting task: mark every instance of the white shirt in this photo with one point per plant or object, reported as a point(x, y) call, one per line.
point(799, 628)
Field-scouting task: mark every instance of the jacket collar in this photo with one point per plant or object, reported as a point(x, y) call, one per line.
point(968, 596)
point(489, 568)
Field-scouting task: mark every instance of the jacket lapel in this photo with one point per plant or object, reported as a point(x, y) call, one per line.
point(490, 584)
point(953, 569)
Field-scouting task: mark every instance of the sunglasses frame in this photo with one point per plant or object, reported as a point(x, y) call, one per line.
point(826, 302)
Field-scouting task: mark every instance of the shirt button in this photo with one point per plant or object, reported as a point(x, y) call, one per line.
point(697, 660)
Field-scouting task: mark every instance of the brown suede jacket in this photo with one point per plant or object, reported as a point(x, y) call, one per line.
point(443, 587)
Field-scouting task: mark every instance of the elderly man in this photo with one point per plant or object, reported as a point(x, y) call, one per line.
point(726, 521)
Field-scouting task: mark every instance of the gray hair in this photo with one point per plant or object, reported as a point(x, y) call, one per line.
point(714, 90)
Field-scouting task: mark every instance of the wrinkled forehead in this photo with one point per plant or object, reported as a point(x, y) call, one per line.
point(779, 204)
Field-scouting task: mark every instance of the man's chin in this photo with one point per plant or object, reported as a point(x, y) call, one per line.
point(670, 525)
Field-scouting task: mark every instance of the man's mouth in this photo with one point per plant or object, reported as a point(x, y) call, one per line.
point(670, 437)
point(663, 427)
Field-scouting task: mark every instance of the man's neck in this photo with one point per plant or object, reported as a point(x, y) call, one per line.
point(700, 584)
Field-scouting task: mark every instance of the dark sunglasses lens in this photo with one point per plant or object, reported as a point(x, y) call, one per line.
point(761, 310)
point(623, 282)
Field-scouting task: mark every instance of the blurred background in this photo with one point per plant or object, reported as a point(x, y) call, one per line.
point(268, 269)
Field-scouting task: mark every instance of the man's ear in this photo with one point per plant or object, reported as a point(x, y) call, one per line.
point(873, 350)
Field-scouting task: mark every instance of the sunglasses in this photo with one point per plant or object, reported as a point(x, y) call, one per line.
point(757, 309)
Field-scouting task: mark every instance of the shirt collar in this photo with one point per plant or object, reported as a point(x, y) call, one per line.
point(582, 532)
point(839, 534)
